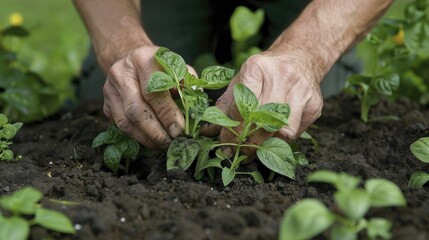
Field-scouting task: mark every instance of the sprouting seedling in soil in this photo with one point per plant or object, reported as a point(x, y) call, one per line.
point(193, 100)
point(369, 89)
point(309, 217)
point(420, 149)
point(7, 132)
point(21, 210)
point(117, 146)
point(274, 153)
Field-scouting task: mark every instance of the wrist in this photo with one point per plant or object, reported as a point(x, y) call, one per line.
point(112, 47)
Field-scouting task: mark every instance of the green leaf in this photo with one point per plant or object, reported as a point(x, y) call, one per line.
point(14, 228)
point(418, 179)
point(244, 23)
point(416, 35)
point(172, 63)
point(132, 149)
point(420, 149)
point(227, 176)
point(8, 131)
point(192, 81)
point(206, 144)
point(379, 227)
point(340, 232)
point(257, 177)
point(6, 154)
point(245, 100)
point(197, 101)
point(54, 220)
point(3, 119)
point(100, 139)
point(22, 201)
point(387, 84)
point(216, 77)
point(182, 153)
point(216, 116)
point(112, 157)
point(305, 220)
point(300, 159)
point(353, 203)
point(341, 181)
point(15, 31)
point(384, 193)
point(277, 155)
point(160, 81)
point(270, 121)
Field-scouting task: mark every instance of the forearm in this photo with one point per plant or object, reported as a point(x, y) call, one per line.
point(328, 28)
point(114, 26)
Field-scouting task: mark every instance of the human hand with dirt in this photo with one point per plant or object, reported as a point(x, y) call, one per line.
point(291, 70)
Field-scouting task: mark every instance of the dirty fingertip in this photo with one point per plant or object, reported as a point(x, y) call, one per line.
point(174, 130)
point(210, 130)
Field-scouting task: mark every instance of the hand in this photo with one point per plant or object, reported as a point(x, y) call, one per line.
point(153, 119)
point(280, 78)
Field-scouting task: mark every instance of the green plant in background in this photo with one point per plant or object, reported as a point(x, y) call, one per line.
point(7, 132)
point(396, 56)
point(21, 210)
point(244, 27)
point(309, 217)
point(274, 153)
point(117, 146)
point(24, 95)
point(420, 149)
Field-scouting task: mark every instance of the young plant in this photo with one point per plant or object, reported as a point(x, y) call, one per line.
point(274, 153)
point(309, 217)
point(7, 132)
point(395, 52)
point(117, 146)
point(420, 149)
point(21, 210)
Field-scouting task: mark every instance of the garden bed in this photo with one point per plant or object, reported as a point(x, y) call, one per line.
point(150, 203)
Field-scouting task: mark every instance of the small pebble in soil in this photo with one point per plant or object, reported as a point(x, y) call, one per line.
point(123, 219)
point(207, 231)
point(50, 163)
point(228, 206)
point(77, 227)
point(176, 200)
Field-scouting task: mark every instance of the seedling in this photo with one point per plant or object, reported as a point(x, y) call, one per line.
point(274, 153)
point(7, 132)
point(420, 149)
point(309, 217)
point(21, 210)
point(396, 51)
point(118, 146)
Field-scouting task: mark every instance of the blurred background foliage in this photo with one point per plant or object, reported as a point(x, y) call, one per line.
point(51, 55)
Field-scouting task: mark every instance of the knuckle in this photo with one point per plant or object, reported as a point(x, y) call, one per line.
point(133, 109)
point(123, 124)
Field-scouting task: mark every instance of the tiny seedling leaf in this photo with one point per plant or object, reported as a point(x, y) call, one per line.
point(216, 77)
point(53, 220)
point(305, 220)
point(22, 201)
point(173, 63)
point(418, 179)
point(215, 115)
point(379, 227)
point(245, 100)
point(227, 176)
point(14, 228)
point(353, 203)
point(277, 155)
point(341, 181)
point(384, 193)
point(257, 177)
point(112, 157)
point(270, 121)
point(387, 84)
point(160, 81)
point(341, 232)
point(244, 23)
point(182, 153)
point(420, 149)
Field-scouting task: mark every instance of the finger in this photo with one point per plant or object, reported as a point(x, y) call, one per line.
point(114, 110)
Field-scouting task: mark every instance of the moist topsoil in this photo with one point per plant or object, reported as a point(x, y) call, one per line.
point(151, 203)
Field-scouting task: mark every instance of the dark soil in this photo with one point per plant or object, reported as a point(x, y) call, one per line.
point(150, 203)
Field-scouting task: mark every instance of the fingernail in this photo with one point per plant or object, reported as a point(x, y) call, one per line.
point(228, 152)
point(175, 130)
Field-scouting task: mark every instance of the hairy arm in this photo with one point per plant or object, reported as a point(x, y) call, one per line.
point(291, 70)
point(114, 27)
